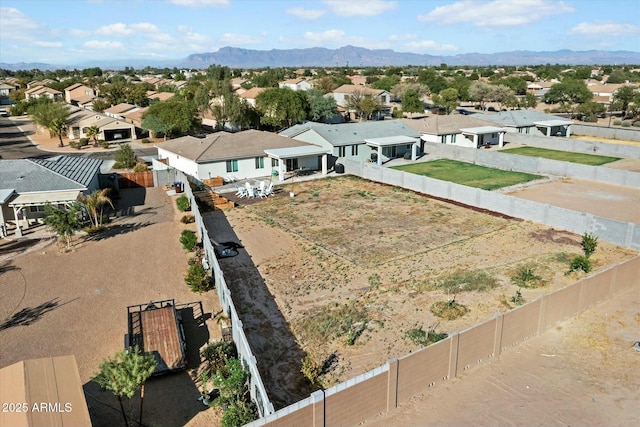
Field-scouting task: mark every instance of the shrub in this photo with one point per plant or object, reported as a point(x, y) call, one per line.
point(238, 413)
point(84, 141)
point(140, 167)
point(468, 281)
point(448, 310)
point(526, 277)
point(580, 262)
point(75, 144)
point(517, 299)
point(145, 140)
point(187, 219)
point(311, 370)
point(589, 244)
point(94, 229)
point(216, 355)
point(626, 124)
point(636, 124)
point(103, 144)
point(617, 122)
point(196, 277)
point(189, 240)
point(183, 203)
point(418, 336)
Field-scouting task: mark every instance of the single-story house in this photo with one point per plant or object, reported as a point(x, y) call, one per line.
point(118, 111)
point(377, 141)
point(295, 84)
point(530, 122)
point(241, 155)
point(457, 129)
point(43, 392)
point(111, 130)
point(27, 185)
point(5, 89)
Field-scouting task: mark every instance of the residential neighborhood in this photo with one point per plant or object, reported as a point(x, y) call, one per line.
point(303, 232)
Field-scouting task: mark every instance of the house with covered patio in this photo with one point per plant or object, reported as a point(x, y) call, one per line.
point(530, 122)
point(457, 129)
point(27, 185)
point(377, 141)
point(242, 155)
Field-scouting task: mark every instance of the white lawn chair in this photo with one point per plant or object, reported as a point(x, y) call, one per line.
point(269, 190)
point(241, 191)
point(250, 191)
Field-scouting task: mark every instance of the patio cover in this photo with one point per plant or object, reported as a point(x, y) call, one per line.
point(51, 389)
point(36, 199)
point(553, 123)
point(6, 194)
point(482, 130)
point(294, 152)
point(391, 140)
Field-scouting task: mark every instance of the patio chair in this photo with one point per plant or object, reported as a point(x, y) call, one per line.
point(241, 191)
point(269, 190)
point(250, 190)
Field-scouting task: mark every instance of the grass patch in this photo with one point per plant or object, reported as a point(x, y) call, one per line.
point(526, 276)
point(464, 281)
point(347, 320)
point(418, 336)
point(468, 174)
point(448, 310)
point(563, 156)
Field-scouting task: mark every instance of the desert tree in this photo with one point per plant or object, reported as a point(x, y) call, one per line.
point(92, 132)
point(94, 204)
point(64, 221)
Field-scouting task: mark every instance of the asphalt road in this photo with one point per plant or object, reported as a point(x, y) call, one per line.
point(15, 144)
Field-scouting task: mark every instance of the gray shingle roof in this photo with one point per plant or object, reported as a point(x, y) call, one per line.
point(353, 133)
point(516, 118)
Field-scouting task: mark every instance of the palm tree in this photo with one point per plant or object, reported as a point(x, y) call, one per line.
point(93, 132)
point(94, 203)
point(63, 221)
point(58, 127)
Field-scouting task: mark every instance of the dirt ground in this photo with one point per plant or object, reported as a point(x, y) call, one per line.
point(347, 242)
point(57, 303)
point(608, 201)
point(581, 373)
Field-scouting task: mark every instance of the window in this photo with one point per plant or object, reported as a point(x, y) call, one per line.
point(259, 162)
point(354, 150)
point(342, 151)
point(453, 138)
point(494, 135)
point(232, 166)
point(36, 208)
point(275, 163)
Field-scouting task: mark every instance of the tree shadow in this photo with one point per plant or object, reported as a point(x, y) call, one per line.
point(115, 230)
point(169, 400)
point(269, 334)
point(7, 266)
point(30, 315)
point(17, 246)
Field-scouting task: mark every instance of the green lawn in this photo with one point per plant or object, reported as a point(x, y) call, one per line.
point(468, 174)
point(563, 156)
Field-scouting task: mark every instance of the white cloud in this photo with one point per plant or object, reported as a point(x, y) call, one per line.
point(14, 24)
point(229, 39)
point(200, 3)
point(400, 37)
point(47, 44)
point(431, 46)
point(496, 13)
point(96, 44)
point(360, 7)
point(79, 33)
point(303, 13)
point(599, 29)
point(326, 36)
point(115, 30)
point(192, 36)
point(145, 27)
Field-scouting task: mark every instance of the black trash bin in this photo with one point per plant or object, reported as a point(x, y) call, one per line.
point(339, 168)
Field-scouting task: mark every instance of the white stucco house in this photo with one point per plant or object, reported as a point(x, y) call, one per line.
point(457, 129)
point(242, 155)
point(296, 84)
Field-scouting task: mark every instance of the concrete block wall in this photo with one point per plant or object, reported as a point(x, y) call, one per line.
point(583, 146)
point(630, 134)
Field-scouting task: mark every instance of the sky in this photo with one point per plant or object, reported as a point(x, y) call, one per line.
point(81, 31)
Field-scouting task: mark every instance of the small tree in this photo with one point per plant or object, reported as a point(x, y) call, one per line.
point(124, 374)
point(196, 277)
point(125, 157)
point(183, 203)
point(589, 244)
point(63, 221)
point(57, 128)
point(94, 203)
point(188, 239)
point(92, 133)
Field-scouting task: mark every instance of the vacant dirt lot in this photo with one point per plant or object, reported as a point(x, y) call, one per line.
point(353, 265)
point(609, 201)
point(57, 303)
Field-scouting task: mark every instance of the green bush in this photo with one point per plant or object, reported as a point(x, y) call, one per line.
point(626, 124)
point(216, 355)
point(84, 141)
point(183, 203)
point(145, 140)
point(189, 240)
point(589, 244)
point(580, 262)
point(636, 124)
point(617, 122)
point(103, 144)
point(468, 281)
point(526, 277)
point(238, 414)
point(196, 277)
point(75, 144)
point(448, 310)
point(140, 167)
point(418, 336)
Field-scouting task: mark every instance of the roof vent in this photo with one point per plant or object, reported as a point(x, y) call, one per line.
point(21, 177)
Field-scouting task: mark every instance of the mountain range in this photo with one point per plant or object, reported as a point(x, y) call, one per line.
point(352, 56)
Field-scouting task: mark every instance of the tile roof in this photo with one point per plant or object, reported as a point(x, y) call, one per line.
point(353, 133)
point(252, 93)
point(358, 88)
point(225, 146)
